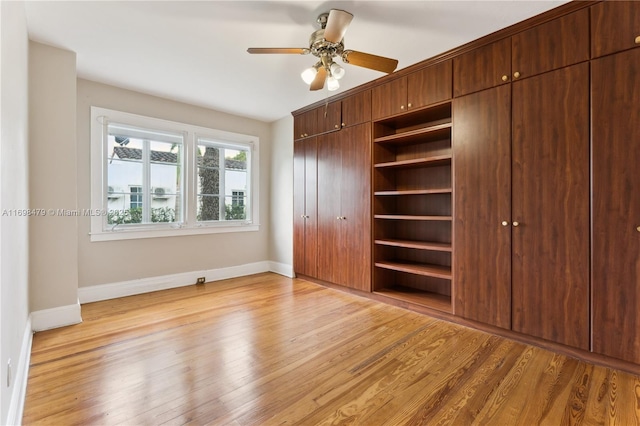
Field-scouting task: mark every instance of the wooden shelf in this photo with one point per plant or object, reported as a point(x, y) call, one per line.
point(435, 160)
point(419, 245)
point(416, 192)
point(411, 217)
point(430, 300)
point(425, 134)
point(435, 271)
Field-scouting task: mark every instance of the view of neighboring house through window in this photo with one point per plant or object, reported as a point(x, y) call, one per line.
point(144, 175)
point(157, 178)
point(222, 177)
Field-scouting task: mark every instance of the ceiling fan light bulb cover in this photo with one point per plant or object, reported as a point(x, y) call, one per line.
point(332, 84)
point(309, 74)
point(337, 71)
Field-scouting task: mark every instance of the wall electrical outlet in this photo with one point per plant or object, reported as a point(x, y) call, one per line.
point(200, 280)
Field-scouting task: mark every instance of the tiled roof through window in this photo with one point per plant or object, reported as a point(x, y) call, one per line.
point(125, 153)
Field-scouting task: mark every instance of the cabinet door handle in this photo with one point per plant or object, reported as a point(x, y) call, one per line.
point(303, 216)
point(409, 105)
point(339, 218)
point(516, 74)
point(638, 40)
point(401, 106)
point(638, 229)
point(516, 223)
point(343, 124)
point(505, 223)
point(336, 126)
point(505, 78)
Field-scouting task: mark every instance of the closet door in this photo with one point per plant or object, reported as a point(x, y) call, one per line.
point(482, 205)
point(550, 212)
point(616, 205)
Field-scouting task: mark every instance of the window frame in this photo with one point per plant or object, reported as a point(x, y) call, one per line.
point(101, 231)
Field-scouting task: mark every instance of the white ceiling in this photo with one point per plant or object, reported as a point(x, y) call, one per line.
point(195, 52)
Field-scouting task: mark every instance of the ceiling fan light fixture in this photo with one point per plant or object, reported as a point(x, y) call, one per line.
point(332, 84)
point(309, 74)
point(337, 71)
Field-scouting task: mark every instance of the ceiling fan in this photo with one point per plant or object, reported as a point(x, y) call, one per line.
point(327, 43)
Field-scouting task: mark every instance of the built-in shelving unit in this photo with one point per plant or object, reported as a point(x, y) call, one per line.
point(412, 192)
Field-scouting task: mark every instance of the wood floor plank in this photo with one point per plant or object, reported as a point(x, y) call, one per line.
point(269, 350)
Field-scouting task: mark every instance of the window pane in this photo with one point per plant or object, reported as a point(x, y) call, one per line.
point(144, 175)
point(235, 208)
point(165, 181)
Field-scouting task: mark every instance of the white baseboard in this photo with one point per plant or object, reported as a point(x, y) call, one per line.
point(282, 269)
point(16, 405)
point(56, 317)
point(145, 285)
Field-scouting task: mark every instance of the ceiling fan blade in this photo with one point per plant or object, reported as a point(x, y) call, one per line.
point(285, 50)
point(367, 60)
point(318, 82)
point(337, 24)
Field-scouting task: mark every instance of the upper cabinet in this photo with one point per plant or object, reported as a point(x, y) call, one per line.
point(329, 117)
point(305, 124)
point(419, 89)
point(624, 17)
point(553, 45)
point(556, 44)
point(356, 109)
point(482, 68)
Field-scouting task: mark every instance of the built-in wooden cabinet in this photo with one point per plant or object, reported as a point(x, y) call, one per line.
point(556, 44)
point(419, 89)
point(412, 207)
point(615, 26)
point(482, 200)
point(501, 182)
point(615, 91)
point(344, 207)
point(305, 218)
point(550, 206)
point(482, 68)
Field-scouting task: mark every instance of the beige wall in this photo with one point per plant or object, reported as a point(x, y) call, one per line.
point(116, 261)
point(53, 255)
point(14, 167)
point(281, 225)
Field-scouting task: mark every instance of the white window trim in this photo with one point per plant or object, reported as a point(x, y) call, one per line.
point(100, 231)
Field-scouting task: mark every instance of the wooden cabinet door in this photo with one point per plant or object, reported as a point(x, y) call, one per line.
point(555, 44)
point(329, 186)
point(482, 202)
point(482, 68)
point(389, 98)
point(329, 117)
point(355, 194)
point(356, 109)
point(616, 205)
point(615, 26)
point(429, 85)
point(550, 196)
point(304, 125)
point(304, 207)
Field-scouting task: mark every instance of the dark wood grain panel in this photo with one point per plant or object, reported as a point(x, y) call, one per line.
point(305, 220)
point(550, 178)
point(299, 205)
point(389, 98)
point(329, 117)
point(615, 26)
point(356, 109)
point(482, 200)
point(616, 205)
point(355, 197)
point(482, 68)
point(305, 124)
point(429, 85)
point(556, 44)
point(329, 187)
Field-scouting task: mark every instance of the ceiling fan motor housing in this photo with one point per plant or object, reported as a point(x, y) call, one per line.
point(320, 47)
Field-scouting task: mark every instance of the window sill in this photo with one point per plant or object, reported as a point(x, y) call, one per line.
point(134, 234)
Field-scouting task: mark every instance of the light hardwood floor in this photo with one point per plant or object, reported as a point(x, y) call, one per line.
point(269, 350)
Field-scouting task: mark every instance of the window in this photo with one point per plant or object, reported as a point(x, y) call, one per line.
point(153, 177)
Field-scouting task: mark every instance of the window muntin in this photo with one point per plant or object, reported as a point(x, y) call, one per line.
point(109, 196)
